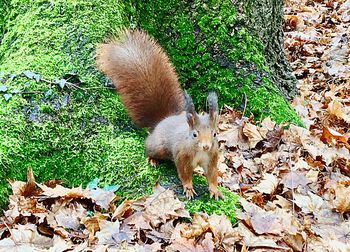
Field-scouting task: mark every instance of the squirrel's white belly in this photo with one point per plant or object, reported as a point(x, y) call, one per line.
point(202, 159)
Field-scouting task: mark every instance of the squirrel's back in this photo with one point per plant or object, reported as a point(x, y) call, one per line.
point(143, 75)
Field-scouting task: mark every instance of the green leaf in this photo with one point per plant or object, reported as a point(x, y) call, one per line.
point(32, 75)
point(7, 96)
point(15, 91)
point(111, 188)
point(3, 88)
point(93, 184)
point(89, 213)
point(37, 77)
point(48, 93)
point(2, 75)
point(12, 76)
point(61, 83)
point(28, 74)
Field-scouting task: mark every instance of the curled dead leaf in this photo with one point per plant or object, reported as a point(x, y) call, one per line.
point(252, 132)
point(27, 189)
point(268, 184)
point(310, 203)
point(331, 136)
point(92, 224)
point(123, 209)
point(224, 234)
point(163, 205)
point(291, 21)
point(342, 198)
point(199, 226)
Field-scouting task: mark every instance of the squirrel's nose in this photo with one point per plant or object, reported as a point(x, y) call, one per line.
point(206, 147)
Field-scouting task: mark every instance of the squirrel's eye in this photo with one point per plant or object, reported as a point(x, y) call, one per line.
point(214, 134)
point(194, 134)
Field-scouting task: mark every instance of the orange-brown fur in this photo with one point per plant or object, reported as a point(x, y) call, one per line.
point(185, 168)
point(149, 88)
point(143, 76)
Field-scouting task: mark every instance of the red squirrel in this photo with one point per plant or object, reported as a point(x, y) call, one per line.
point(150, 90)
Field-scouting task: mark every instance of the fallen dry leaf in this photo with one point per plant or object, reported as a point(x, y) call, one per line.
point(123, 209)
point(342, 199)
point(139, 220)
point(294, 179)
point(109, 233)
point(340, 111)
point(234, 138)
point(268, 184)
point(252, 132)
point(69, 216)
point(92, 224)
point(331, 136)
point(199, 226)
point(296, 242)
point(253, 241)
point(266, 223)
point(310, 203)
point(224, 234)
point(163, 205)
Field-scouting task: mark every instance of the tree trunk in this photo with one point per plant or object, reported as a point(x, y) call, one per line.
point(268, 21)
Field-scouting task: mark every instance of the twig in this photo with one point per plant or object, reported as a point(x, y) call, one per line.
point(12, 235)
point(70, 84)
point(245, 104)
point(32, 92)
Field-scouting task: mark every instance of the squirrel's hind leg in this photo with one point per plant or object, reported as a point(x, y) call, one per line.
point(155, 150)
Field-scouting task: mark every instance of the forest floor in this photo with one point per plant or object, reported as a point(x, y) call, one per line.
point(294, 182)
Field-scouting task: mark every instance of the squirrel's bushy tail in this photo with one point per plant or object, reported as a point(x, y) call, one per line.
point(143, 75)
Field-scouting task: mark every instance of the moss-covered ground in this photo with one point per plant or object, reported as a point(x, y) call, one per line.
point(59, 116)
point(73, 134)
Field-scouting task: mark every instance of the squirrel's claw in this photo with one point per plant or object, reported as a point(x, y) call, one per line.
point(153, 162)
point(216, 194)
point(189, 192)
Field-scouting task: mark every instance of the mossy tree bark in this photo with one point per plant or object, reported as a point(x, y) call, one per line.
point(266, 21)
point(72, 133)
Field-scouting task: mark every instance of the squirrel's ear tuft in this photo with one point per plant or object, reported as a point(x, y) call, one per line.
point(213, 106)
point(189, 106)
point(191, 115)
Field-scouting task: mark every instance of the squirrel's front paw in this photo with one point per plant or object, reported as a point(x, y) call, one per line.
point(215, 193)
point(189, 191)
point(152, 161)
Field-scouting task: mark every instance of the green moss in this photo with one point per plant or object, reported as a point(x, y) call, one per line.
point(226, 206)
point(70, 134)
point(4, 9)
